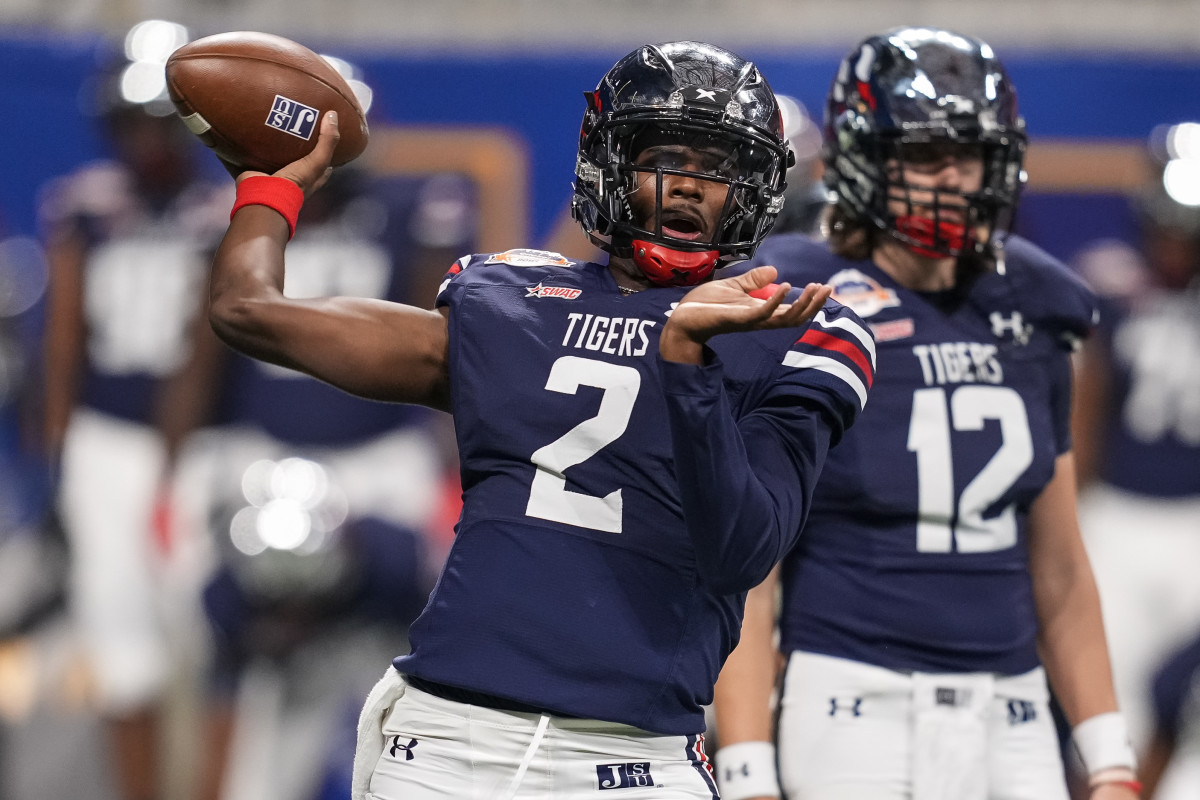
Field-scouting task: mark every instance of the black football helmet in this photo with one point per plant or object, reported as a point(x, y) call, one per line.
point(923, 86)
point(698, 95)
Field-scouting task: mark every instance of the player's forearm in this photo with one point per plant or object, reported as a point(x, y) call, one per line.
point(742, 697)
point(246, 285)
point(1071, 630)
point(1073, 647)
point(746, 763)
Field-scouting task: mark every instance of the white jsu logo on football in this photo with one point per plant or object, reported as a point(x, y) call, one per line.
point(564, 292)
point(292, 117)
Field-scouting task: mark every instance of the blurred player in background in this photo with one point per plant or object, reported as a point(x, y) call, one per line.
point(804, 197)
point(1137, 432)
point(627, 472)
point(130, 372)
point(1171, 764)
point(306, 606)
point(941, 565)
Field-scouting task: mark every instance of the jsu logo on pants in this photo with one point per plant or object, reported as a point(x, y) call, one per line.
point(292, 117)
point(624, 776)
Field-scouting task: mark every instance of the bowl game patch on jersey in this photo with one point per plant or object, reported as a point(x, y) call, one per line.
point(861, 293)
point(529, 258)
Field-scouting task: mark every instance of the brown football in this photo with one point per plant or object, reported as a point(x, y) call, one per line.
point(256, 99)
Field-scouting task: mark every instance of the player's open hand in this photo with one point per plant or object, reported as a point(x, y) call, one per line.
point(744, 302)
point(311, 171)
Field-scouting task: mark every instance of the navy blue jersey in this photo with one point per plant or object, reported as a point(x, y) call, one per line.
point(143, 278)
point(1175, 691)
point(914, 555)
point(614, 514)
point(1152, 445)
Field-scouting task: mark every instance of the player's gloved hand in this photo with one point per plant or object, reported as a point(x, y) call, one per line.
point(742, 303)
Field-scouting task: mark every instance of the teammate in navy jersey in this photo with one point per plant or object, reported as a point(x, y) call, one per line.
point(628, 473)
point(129, 367)
point(1171, 764)
point(941, 563)
point(1137, 430)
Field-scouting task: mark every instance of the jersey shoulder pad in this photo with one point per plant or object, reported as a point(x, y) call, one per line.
point(492, 268)
point(1051, 295)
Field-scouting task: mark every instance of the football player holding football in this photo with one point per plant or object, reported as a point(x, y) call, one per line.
point(628, 473)
point(941, 578)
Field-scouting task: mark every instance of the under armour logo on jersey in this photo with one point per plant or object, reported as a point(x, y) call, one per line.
point(853, 707)
point(1021, 711)
point(630, 775)
point(407, 748)
point(1013, 326)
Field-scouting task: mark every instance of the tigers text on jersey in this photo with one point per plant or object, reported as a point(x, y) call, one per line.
point(616, 506)
point(914, 555)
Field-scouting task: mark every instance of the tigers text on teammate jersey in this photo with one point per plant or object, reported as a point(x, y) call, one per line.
point(919, 511)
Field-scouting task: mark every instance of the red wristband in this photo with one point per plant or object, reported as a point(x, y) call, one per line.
point(279, 194)
point(1136, 786)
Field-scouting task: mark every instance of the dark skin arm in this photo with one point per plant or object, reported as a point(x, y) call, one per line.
point(371, 348)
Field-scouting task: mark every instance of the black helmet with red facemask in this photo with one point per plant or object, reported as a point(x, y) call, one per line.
point(700, 97)
point(913, 89)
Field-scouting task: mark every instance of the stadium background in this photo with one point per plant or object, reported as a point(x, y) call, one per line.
point(496, 85)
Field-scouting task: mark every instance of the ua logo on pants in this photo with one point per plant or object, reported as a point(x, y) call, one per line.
point(407, 748)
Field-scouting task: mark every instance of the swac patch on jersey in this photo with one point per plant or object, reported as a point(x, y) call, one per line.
point(529, 258)
point(861, 294)
point(563, 292)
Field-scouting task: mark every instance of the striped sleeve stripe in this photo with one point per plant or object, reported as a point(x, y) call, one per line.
point(830, 366)
point(854, 329)
point(827, 341)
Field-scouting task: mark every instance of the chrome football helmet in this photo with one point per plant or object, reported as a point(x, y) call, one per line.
point(700, 96)
point(920, 87)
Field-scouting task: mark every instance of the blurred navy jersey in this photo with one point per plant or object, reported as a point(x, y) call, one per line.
point(1152, 445)
point(915, 555)
point(147, 258)
point(1176, 692)
point(614, 514)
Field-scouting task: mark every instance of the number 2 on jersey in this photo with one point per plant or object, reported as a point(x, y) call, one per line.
point(929, 436)
point(548, 494)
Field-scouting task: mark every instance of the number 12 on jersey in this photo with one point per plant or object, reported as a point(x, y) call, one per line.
point(941, 526)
